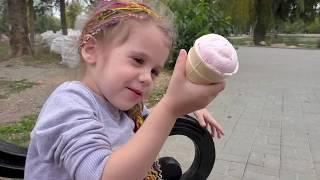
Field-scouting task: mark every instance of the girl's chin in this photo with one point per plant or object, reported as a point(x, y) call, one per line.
point(126, 108)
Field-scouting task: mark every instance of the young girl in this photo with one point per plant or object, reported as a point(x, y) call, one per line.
point(91, 129)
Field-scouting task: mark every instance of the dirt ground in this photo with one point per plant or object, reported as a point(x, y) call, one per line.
point(29, 101)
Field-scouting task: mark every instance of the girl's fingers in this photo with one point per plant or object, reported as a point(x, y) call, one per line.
point(219, 134)
point(201, 121)
point(210, 129)
point(219, 128)
point(216, 131)
point(181, 61)
point(216, 125)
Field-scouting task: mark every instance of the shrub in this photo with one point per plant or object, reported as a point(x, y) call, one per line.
point(314, 27)
point(195, 18)
point(297, 26)
point(45, 22)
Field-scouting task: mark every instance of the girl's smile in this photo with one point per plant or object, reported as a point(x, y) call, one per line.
point(125, 69)
point(138, 93)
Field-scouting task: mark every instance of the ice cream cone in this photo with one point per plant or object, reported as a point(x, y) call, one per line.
point(199, 72)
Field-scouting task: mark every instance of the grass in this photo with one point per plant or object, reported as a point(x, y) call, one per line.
point(4, 51)
point(241, 41)
point(10, 87)
point(42, 56)
point(19, 132)
point(302, 42)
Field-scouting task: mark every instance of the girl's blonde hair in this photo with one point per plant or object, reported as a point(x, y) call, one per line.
point(110, 19)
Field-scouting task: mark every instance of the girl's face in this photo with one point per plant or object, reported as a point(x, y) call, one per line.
point(124, 74)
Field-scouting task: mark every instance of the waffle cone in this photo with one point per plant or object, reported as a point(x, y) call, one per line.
point(198, 72)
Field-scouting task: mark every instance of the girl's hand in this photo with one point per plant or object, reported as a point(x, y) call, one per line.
point(206, 120)
point(182, 96)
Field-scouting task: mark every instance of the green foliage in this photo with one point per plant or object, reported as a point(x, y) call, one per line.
point(265, 11)
point(73, 10)
point(195, 18)
point(300, 26)
point(265, 15)
point(9, 87)
point(4, 51)
point(18, 133)
point(314, 27)
point(45, 22)
point(20, 85)
point(242, 12)
point(297, 26)
point(3, 24)
point(3, 17)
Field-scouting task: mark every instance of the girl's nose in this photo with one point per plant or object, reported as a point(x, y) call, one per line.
point(145, 78)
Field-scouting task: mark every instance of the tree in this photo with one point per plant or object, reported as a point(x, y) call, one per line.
point(62, 8)
point(63, 17)
point(290, 10)
point(264, 20)
point(31, 18)
point(19, 41)
point(73, 10)
point(242, 12)
point(3, 17)
point(265, 14)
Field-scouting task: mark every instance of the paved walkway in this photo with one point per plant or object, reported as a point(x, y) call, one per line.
point(270, 112)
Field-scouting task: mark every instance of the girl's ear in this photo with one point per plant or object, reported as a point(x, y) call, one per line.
point(89, 51)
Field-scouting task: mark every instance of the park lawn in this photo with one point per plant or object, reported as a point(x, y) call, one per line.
point(4, 51)
point(19, 132)
point(11, 87)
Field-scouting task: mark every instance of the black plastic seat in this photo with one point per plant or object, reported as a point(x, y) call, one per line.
point(12, 160)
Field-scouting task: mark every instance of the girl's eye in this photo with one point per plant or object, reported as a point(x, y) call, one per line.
point(138, 60)
point(155, 72)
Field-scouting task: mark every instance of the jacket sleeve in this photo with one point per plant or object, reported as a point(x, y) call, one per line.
point(70, 135)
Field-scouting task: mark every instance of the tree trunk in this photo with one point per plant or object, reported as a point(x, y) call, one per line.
point(31, 21)
point(63, 17)
point(259, 33)
point(264, 18)
point(19, 40)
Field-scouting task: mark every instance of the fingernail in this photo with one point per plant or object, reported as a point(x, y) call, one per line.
point(182, 51)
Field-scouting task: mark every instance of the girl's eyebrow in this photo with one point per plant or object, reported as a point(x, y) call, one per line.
point(140, 54)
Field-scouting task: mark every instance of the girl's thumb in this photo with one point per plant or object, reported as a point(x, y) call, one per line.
point(181, 60)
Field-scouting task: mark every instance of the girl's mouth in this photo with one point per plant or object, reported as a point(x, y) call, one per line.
point(137, 92)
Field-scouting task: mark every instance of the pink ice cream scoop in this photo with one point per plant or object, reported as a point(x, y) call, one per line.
point(211, 59)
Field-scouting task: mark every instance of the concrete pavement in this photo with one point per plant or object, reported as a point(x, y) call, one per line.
point(270, 112)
